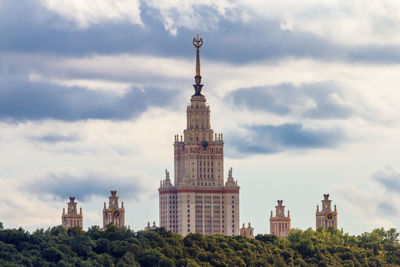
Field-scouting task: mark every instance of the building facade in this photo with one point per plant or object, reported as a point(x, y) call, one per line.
point(113, 214)
point(199, 200)
point(279, 224)
point(326, 217)
point(249, 231)
point(72, 218)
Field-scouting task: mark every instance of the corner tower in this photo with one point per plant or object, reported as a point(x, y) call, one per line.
point(72, 218)
point(326, 217)
point(113, 214)
point(279, 224)
point(199, 200)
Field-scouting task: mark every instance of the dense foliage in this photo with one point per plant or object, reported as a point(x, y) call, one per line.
point(122, 247)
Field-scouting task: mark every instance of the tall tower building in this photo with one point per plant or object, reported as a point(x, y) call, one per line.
point(279, 224)
point(72, 218)
point(199, 200)
point(326, 217)
point(113, 214)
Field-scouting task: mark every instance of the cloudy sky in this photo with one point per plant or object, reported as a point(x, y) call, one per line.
point(306, 93)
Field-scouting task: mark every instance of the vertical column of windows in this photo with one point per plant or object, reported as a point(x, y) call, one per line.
point(188, 213)
point(199, 213)
point(233, 213)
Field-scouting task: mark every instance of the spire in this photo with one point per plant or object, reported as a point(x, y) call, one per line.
point(197, 42)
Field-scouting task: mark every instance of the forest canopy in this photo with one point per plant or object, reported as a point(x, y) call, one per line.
point(59, 246)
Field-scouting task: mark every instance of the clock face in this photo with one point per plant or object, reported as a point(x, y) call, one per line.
point(116, 213)
point(330, 216)
point(204, 145)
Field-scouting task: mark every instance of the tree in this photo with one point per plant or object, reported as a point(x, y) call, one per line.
point(127, 260)
point(52, 254)
point(149, 258)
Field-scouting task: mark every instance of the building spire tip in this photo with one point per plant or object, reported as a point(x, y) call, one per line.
point(197, 42)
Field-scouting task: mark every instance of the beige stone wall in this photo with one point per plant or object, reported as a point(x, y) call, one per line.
point(203, 210)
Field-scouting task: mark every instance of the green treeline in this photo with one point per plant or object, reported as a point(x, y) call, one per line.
point(58, 246)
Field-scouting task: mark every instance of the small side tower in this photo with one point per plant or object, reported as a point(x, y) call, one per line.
point(249, 231)
point(279, 224)
point(113, 214)
point(148, 227)
point(326, 217)
point(72, 218)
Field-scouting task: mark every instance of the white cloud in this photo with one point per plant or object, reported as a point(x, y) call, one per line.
point(88, 12)
point(119, 88)
point(197, 15)
point(346, 22)
point(20, 209)
point(362, 84)
point(375, 208)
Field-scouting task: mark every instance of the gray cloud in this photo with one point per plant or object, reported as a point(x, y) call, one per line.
point(84, 186)
point(266, 139)
point(374, 207)
point(21, 99)
point(39, 30)
point(285, 98)
point(54, 138)
point(387, 209)
point(389, 179)
point(31, 28)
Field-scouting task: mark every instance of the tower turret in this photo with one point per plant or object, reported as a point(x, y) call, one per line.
point(113, 214)
point(72, 218)
point(249, 231)
point(326, 217)
point(280, 224)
